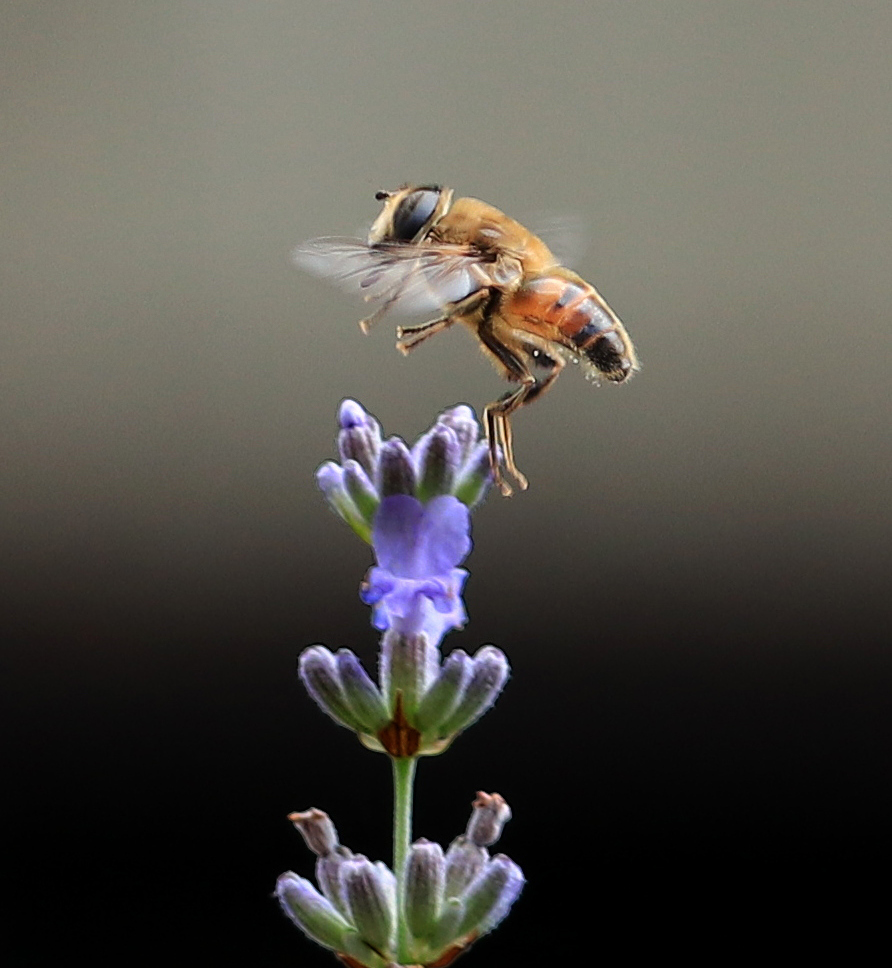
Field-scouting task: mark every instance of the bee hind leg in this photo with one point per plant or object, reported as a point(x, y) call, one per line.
point(498, 413)
point(498, 430)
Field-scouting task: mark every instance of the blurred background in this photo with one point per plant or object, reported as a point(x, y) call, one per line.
point(694, 592)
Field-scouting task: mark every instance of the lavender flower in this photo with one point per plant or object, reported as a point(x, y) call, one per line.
point(413, 506)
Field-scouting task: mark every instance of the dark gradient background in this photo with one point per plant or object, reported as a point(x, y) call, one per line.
point(695, 591)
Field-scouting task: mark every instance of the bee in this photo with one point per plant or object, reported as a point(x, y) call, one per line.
point(469, 263)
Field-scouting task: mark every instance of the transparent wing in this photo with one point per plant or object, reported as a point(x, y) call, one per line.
point(566, 235)
point(407, 278)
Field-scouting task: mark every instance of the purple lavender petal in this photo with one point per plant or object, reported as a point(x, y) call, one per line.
point(394, 533)
point(443, 537)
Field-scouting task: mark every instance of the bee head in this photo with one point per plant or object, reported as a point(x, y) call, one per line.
point(409, 213)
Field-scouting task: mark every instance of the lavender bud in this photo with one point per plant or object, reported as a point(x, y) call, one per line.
point(331, 481)
point(490, 813)
point(437, 460)
point(445, 934)
point(360, 436)
point(353, 414)
point(491, 895)
point(490, 672)
point(443, 696)
point(328, 877)
point(425, 886)
point(473, 480)
point(361, 490)
point(464, 861)
point(361, 694)
point(369, 899)
point(319, 673)
point(317, 830)
point(462, 422)
point(311, 912)
point(396, 473)
point(407, 666)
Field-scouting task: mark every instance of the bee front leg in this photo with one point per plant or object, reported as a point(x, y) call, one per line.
point(408, 337)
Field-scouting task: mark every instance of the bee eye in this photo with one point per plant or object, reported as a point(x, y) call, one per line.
point(414, 210)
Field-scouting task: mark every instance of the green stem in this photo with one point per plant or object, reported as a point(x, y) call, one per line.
point(403, 780)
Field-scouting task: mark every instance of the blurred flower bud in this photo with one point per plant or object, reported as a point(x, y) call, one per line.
point(370, 894)
point(425, 887)
point(489, 675)
point(490, 896)
point(464, 861)
point(317, 830)
point(360, 436)
point(490, 813)
point(311, 912)
point(396, 472)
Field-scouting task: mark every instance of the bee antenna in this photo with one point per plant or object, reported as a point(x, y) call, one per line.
point(380, 196)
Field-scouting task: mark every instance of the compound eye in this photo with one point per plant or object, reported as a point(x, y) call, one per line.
point(414, 210)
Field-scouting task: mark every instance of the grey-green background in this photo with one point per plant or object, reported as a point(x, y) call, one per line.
point(694, 591)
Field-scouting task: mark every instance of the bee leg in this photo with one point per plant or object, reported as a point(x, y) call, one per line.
point(366, 324)
point(498, 414)
point(498, 429)
point(408, 337)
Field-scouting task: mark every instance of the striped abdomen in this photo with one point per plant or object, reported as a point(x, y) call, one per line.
point(562, 302)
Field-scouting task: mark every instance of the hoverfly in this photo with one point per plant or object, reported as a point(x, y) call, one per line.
point(470, 263)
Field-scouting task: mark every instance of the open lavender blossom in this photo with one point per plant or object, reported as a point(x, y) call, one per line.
point(451, 898)
point(416, 585)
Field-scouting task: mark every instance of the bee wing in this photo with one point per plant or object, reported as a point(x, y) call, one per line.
point(566, 235)
point(407, 278)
